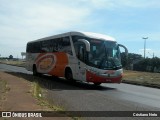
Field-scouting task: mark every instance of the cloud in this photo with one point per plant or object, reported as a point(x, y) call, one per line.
point(25, 20)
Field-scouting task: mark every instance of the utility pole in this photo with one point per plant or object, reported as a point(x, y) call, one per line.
point(144, 46)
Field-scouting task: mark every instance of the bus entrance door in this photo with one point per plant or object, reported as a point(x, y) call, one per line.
point(81, 66)
point(81, 70)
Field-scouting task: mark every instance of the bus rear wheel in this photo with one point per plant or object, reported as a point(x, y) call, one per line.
point(68, 74)
point(35, 73)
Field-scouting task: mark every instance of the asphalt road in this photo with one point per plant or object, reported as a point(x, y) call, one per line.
point(87, 97)
point(9, 68)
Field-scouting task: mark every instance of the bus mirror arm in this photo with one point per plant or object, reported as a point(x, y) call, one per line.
point(87, 44)
point(126, 53)
point(126, 50)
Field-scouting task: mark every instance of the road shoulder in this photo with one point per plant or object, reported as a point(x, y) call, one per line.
point(17, 95)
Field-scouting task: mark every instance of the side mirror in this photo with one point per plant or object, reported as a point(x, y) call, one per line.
point(126, 50)
point(126, 53)
point(87, 44)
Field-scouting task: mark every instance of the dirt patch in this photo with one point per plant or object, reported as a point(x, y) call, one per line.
point(19, 88)
point(2, 92)
point(19, 94)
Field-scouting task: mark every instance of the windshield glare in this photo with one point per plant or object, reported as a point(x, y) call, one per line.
point(104, 54)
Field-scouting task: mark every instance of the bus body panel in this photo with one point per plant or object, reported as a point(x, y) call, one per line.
point(55, 63)
point(30, 60)
point(50, 63)
point(80, 69)
point(104, 76)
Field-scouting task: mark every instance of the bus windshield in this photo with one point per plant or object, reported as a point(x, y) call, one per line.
point(104, 54)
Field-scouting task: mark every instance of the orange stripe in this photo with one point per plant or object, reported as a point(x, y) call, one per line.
point(61, 62)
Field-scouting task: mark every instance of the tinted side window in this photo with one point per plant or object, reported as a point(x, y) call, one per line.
point(75, 39)
point(53, 45)
point(46, 46)
point(33, 47)
point(66, 45)
point(28, 50)
point(36, 47)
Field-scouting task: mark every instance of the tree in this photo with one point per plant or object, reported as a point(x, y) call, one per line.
point(155, 62)
point(132, 58)
point(147, 64)
point(11, 57)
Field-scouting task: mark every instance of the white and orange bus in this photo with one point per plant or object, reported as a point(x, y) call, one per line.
point(83, 56)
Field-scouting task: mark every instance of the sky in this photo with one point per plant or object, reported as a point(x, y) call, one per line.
point(128, 21)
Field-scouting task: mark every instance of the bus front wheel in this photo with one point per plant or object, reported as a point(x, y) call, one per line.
point(68, 74)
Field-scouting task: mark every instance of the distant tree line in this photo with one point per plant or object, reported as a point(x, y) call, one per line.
point(138, 63)
point(148, 64)
point(10, 57)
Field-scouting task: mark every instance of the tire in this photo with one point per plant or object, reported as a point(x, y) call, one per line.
point(68, 74)
point(97, 83)
point(35, 73)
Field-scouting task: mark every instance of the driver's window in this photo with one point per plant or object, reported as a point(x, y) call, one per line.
point(80, 50)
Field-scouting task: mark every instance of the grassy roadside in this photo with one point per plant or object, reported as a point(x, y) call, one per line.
point(142, 78)
point(15, 63)
point(3, 89)
point(39, 94)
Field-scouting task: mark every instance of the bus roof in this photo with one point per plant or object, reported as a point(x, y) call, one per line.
point(95, 35)
point(86, 34)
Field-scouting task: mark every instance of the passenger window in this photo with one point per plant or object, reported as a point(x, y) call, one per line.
point(66, 45)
